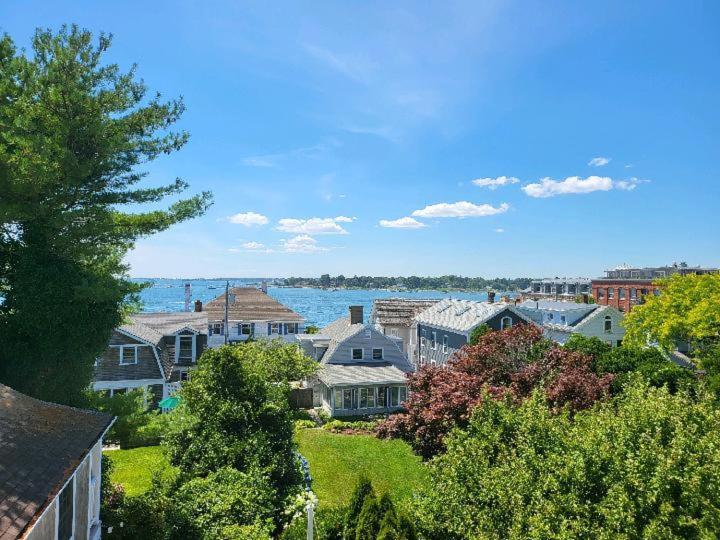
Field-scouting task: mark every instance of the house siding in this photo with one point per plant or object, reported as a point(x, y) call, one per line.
point(109, 368)
point(82, 479)
point(45, 527)
point(343, 353)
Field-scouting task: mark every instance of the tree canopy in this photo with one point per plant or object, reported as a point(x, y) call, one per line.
point(74, 134)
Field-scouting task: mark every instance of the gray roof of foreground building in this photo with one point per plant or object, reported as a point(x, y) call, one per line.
point(359, 374)
point(41, 446)
point(463, 315)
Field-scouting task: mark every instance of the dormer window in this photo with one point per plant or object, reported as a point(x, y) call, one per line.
point(506, 322)
point(377, 354)
point(357, 354)
point(608, 324)
point(128, 355)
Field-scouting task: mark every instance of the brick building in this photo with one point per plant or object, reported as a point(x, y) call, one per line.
point(624, 287)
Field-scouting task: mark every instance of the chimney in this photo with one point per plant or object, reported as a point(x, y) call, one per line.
point(356, 314)
point(263, 286)
point(491, 296)
point(198, 306)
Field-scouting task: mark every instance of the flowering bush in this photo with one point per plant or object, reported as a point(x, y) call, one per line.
point(508, 364)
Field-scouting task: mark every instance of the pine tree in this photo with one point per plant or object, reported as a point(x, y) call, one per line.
point(362, 490)
point(368, 524)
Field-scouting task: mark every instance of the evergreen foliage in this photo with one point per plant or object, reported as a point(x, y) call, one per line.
point(75, 131)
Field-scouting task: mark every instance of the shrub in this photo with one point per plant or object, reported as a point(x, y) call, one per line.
point(304, 424)
point(129, 408)
point(505, 364)
point(644, 465)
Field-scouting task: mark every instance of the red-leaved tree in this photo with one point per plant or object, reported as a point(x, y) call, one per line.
point(508, 364)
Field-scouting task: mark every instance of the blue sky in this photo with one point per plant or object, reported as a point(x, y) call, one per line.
point(340, 136)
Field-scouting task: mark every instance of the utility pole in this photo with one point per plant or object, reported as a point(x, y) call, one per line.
point(227, 299)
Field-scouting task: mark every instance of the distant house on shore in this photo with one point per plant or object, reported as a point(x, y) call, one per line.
point(560, 320)
point(50, 459)
point(395, 317)
point(154, 351)
point(363, 371)
point(252, 313)
point(445, 327)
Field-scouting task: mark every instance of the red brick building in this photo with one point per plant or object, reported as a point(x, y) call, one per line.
point(625, 287)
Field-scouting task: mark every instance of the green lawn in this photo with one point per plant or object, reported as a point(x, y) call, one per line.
point(337, 461)
point(134, 468)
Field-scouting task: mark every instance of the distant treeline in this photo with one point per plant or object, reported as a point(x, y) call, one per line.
point(411, 282)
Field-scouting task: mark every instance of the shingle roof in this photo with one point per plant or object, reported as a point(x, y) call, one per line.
point(351, 374)
point(462, 315)
point(338, 331)
point(169, 323)
point(142, 332)
point(398, 311)
point(250, 305)
point(41, 445)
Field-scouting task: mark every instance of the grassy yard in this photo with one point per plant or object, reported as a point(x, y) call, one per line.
point(337, 461)
point(134, 468)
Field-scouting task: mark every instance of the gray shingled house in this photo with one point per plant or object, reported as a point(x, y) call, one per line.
point(363, 371)
point(50, 459)
point(154, 351)
point(445, 327)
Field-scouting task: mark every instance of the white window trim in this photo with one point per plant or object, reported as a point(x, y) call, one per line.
point(177, 346)
point(608, 319)
point(382, 353)
point(422, 359)
point(503, 325)
point(122, 348)
point(352, 353)
point(433, 340)
point(445, 344)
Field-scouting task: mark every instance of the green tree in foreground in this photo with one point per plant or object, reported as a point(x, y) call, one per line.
point(644, 465)
point(73, 132)
point(232, 415)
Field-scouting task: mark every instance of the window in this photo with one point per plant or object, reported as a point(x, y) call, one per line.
point(445, 344)
point(244, 329)
point(394, 396)
point(608, 324)
point(619, 342)
point(348, 402)
point(185, 348)
point(184, 375)
point(433, 340)
point(367, 398)
point(422, 337)
point(274, 328)
point(357, 354)
point(66, 511)
point(621, 294)
point(291, 328)
point(601, 294)
point(633, 293)
point(338, 399)
point(433, 362)
point(563, 320)
point(403, 394)
point(550, 316)
point(377, 354)
point(216, 329)
point(611, 293)
point(128, 355)
point(394, 332)
point(422, 359)
point(505, 322)
point(382, 396)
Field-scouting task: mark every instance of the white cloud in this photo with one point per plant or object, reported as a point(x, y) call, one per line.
point(547, 187)
point(302, 244)
point(313, 225)
point(248, 219)
point(345, 219)
point(253, 245)
point(599, 161)
point(402, 223)
point(494, 183)
point(499, 230)
point(460, 209)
